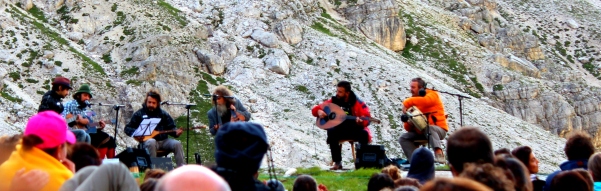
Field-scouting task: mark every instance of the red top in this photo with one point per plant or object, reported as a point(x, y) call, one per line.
point(359, 110)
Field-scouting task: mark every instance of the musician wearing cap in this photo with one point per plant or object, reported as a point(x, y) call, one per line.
point(79, 115)
point(151, 109)
point(226, 109)
point(52, 100)
point(356, 130)
point(430, 105)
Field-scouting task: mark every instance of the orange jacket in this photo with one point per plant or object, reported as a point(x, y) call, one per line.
point(430, 103)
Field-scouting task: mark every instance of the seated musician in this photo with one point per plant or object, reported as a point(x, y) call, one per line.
point(431, 106)
point(356, 130)
point(227, 109)
point(78, 107)
point(151, 109)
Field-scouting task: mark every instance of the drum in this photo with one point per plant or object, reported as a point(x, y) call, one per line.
point(417, 118)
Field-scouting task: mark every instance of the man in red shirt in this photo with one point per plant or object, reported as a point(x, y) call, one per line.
point(431, 106)
point(350, 129)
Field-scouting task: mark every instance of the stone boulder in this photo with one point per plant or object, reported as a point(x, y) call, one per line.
point(265, 38)
point(212, 63)
point(289, 31)
point(278, 62)
point(227, 51)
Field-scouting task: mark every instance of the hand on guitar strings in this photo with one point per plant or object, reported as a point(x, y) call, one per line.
point(321, 114)
point(102, 124)
point(179, 132)
point(359, 120)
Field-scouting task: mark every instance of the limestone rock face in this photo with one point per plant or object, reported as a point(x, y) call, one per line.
point(265, 38)
point(289, 31)
point(214, 64)
point(378, 20)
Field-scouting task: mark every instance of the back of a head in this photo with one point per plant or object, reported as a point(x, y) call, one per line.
point(154, 173)
point(594, 166)
point(392, 171)
point(489, 175)
point(407, 182)
point(406, 188)
point(522, 153)
point(149, 184)
point(572, 180)
point(192, 177)
point(579, 146)
point(454, 184)
point(502, 151)
point(379, 181)
point(468, 145)
point(304, 183)
point(8, 145)
point(422, 165)
point(83, 154)
point(518, 171)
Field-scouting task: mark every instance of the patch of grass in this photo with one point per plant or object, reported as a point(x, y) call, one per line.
point(325, 14)
point(208, 78)
point(319, 27)
point(14, 75)
point(114, 7)
point(120, 18)
point(302, 88)
point(88, 62)
point(107, 58)
point(133, 82)
point(497, 87)
point(40, 92)
point(58, 63)
point(174, 12)
point(9, 97)
point(29, 80)
point(355, 180)
point(37, 13)
point(132, 71)
point(592, 69)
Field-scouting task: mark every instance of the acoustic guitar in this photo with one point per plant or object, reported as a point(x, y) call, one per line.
point(335, 116)
point(155, 133)
point(91, 127)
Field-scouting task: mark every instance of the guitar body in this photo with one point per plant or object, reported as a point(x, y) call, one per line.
point(335, 116)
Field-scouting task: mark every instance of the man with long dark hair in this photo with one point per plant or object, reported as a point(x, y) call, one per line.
point(151, 109)
point(350, 129)
point(227, 109)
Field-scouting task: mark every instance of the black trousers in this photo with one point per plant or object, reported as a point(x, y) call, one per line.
point(345, 131)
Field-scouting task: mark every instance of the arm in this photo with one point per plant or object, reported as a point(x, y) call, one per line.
point(48, 103)
point(363, 111)
point(169, 123)
point(318, 107)
point(133, 124)
point(212, 121)
point(427, 101)
point(241, 110)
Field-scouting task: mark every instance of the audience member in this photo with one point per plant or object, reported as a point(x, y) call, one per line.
point(393, 171)
point(406, 188)
point(43, 147)
point(489, 175)
point(577, 179)
point(594, 167)
point(192, 177)
point(275, 185)
point(379, 181)
point(83, 154)
point(422, 167)
point(149, 184)
point(454, 184)
point(154, 173)
point(526, 156)
point(8, 144)
point(579, 148)
point(106, 177)
point(519, 173)
point(304, 183)
point(468, 145)
point(502, 151)
point(407, 182)
point(240, 147)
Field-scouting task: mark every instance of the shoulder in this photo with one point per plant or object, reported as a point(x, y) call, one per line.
point(164, 112)
point(361, 103)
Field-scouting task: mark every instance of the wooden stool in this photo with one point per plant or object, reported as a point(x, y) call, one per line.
point(421, 142)
point(352, 148)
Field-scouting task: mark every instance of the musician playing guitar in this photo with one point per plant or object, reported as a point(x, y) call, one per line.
point(151, 109)
point(356, 130)
point(227, 109)
point(430, 104)
point(77, 114)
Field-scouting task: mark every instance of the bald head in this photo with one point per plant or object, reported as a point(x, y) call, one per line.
point(192, 177)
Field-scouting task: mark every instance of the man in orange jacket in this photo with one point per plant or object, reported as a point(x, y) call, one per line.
point(431, 106)
point(350, 129)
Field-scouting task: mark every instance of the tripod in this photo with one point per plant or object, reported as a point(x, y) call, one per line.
point(187, 106)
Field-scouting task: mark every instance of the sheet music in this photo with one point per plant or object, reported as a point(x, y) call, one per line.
point(146, 127)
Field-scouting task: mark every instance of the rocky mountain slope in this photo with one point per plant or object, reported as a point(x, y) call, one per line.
point(531, 69)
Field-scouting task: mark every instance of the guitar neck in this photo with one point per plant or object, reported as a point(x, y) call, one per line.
point(362, 118)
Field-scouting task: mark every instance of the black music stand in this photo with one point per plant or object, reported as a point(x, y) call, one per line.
point(187, 106)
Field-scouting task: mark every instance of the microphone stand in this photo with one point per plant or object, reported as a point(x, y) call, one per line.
point(187, 106)
point(460, 98)
point(116, 107)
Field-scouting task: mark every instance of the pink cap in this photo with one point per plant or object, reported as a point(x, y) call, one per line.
point(51, 128)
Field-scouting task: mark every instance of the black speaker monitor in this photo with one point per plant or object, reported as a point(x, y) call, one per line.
point(139, 157)
point(370, 156)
